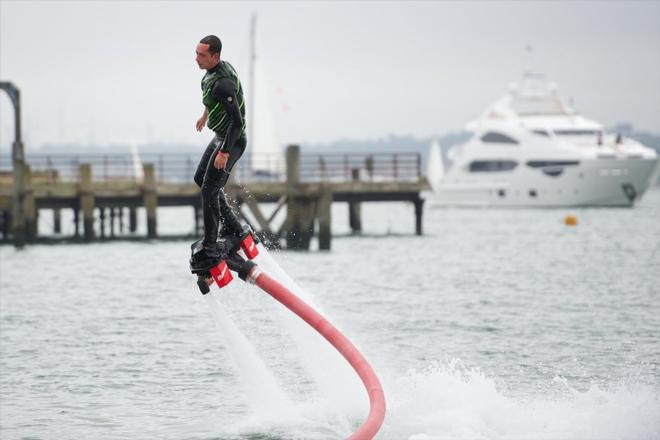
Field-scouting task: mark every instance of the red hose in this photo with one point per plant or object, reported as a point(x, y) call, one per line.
point(376, 396)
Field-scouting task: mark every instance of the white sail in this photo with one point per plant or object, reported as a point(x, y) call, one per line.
point(136, 164)
point(266, 155)
point(435, 167)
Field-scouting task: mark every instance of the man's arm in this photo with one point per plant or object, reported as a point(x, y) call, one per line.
point(224, 91)
point(201, 121)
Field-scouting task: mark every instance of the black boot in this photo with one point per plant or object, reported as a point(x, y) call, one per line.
point(204, 256)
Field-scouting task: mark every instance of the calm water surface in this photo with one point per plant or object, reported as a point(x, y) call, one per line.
point(494, 324)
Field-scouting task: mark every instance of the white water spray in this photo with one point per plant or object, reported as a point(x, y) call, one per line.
point(263, 394)
point(339, 391)
point(339, 402)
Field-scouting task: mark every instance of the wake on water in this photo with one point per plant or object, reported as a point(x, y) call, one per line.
point(450, 401)
point(442, 401)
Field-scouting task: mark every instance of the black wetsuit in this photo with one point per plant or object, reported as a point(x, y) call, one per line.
point(223, 93)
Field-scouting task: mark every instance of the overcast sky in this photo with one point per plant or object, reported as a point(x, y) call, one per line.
point(124, 72)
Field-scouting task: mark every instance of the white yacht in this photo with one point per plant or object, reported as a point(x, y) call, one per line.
point(530, 149)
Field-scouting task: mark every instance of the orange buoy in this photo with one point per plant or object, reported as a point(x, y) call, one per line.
point(570, 220)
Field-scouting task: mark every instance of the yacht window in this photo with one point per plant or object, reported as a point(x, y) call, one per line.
point(480, 166)
point(499, 138)
point(576, 132)
point(553, 171)
point(541, 132)
point(551, 163)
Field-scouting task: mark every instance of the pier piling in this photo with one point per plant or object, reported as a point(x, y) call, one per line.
point(76, 222)
point(102, 223)
point(132, 219)
point(324, 218)
point(57, 221)
point(18, 162)
point(355, 207)
point(120, 215)
point(29, 206)
point(419, 209)
point(6, 221)
point(150, 199)
point(112, 221)
point(87, 201)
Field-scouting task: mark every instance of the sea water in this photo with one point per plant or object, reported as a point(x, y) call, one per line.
point(501, 324)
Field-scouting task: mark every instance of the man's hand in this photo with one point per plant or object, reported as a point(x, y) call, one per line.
point(220, 161)
point(200, 122)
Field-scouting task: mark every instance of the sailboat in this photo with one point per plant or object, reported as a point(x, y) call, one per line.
point(435, 167)
point(265, 156)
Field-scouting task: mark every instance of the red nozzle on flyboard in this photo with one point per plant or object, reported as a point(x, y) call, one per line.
point(221, 274)
point(249, 247)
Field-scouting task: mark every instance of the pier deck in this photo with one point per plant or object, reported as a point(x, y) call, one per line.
point(99, 189)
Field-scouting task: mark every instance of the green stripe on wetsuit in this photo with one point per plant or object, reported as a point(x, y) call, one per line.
point(218, 119)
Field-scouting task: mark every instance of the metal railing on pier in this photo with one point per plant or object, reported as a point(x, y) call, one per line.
point(180, 167)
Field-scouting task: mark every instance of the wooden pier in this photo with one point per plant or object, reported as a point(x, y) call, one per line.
point(104, 192)
point(100, 189)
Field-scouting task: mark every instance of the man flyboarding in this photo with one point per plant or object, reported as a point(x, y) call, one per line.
point(213, 259)
point(224, 113)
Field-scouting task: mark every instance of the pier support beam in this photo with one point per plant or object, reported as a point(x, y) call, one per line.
point(76, 222)
point(87, 201)
point(102, 222)
point(150, 199)
point(29, 207)
point(292, 166)
point(355, 207)
point(120, 214)
point(419, 208)
point(6, 219)
point(299, 224)
point(57, 221)
point(132, 219)
point(325, 219)
point(113, 216)
point(300, 213)
point(18, 214)
point(355, 217)
point(18, 162)
point(265, 233)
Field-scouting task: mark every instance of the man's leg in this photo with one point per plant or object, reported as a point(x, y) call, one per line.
point(203, 163)
point(230, 222)
point(211, 187)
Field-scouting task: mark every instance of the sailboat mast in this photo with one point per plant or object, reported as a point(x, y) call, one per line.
point(252, 89)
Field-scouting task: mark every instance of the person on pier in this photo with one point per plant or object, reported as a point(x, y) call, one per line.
point(224, 113)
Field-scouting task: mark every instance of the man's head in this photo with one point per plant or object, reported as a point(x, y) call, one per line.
point(208, 52)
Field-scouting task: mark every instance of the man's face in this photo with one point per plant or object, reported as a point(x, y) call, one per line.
point(205, 59)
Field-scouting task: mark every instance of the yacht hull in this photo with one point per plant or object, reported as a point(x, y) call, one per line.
point(592, 182)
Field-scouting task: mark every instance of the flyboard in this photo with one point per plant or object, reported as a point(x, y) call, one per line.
point(235, 254)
